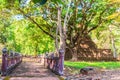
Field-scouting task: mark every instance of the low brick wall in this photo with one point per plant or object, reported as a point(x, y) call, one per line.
point(95, 55)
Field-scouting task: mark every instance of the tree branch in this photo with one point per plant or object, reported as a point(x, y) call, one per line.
point(84, 15)
point(36, 23)
point(99, 21)
point(65, 21)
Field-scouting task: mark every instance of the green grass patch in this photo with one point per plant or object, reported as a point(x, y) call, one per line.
point(105, 65)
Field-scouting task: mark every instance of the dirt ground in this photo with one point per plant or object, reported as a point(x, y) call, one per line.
point(31, 69)
point(100, 74)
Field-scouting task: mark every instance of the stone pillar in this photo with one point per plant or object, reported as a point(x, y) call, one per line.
point(61, 61)
point(4, 61)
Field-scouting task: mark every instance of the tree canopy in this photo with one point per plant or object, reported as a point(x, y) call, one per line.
point(30, 26)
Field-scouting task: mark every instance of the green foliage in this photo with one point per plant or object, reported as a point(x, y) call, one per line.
point(102, 37)
point(26, 37)
point(20, 34)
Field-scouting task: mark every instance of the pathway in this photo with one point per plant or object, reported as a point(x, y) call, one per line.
point(30, 69)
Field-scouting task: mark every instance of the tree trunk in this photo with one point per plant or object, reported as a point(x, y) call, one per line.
point(74, 55)
point(62, 43)
point(84, 47)
point(113, 43)
point(114, 48)
point(56, 42)
point(62, 40)
point(36, 50)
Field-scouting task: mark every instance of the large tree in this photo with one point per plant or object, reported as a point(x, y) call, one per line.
point(79, 18)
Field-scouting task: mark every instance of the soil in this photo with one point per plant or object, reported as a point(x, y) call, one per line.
point(30, 69)
point(99, 74)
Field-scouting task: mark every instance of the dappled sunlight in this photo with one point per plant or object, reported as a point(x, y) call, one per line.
point(30, 67)
point(101, 70)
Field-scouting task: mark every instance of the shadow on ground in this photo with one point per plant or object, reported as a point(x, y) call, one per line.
point(31, 68)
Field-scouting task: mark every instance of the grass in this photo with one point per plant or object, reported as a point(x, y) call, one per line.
point(105, 65)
